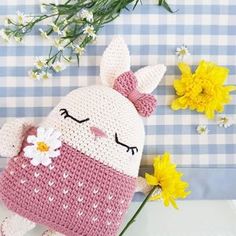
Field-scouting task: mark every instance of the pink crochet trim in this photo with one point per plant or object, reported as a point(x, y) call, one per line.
point(126, 84)
point(75, 195)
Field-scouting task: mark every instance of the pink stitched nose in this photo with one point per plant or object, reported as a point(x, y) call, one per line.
point(98, 132)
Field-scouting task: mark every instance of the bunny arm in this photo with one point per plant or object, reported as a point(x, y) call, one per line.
point(142, 186)
point(15, 225)
point(12, 135)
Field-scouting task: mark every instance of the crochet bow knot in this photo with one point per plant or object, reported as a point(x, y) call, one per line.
point(126, 84)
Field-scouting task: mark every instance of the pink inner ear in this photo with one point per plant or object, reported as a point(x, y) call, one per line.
point(98, 132)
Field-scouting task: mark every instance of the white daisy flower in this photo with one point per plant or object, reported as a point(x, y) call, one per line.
point(85, 14)
point(59, 44)
point(40, 62)
point(55, 28)
point(44, 146)
point(43, 34)
point(89, 30)
point(18, 39)
point(4, 36)
point(78, 50)
point(21, 19)
point(58, 66)
point(46, 75)
point(224, 121)
point(202, 129)
point(34, 75)
point(7, 21)
point(182, 51)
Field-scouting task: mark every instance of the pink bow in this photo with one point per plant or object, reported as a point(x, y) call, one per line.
point(126, 84)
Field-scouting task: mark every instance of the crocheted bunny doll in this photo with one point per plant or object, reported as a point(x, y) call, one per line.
point(76, 172)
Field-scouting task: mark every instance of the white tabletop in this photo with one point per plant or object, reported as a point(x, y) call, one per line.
point(194, 218)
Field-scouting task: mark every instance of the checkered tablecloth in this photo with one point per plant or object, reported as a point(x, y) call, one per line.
point(208, 28)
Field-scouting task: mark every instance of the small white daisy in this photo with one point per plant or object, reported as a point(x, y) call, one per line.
point(34, 75)
point(85, 14)
point(56, 28)
point(40, 62)
point(202, 129)
point(45, 146)
point(46, 75)
point(58, 66)
point(60, 43)
point(182, 51)
point(21, 19)
point(7, 21)
point(78, 50)
point(224, 121)
point(89, 30)
point(43, 34)
point(18, 39)
point(4, 36)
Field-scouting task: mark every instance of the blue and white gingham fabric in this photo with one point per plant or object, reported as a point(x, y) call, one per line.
point(208, 28)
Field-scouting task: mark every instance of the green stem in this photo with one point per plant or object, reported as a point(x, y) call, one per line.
point(164, 4)
point(160, 2)
point(132, 220)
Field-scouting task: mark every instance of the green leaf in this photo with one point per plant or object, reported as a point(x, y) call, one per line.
point(164, 4)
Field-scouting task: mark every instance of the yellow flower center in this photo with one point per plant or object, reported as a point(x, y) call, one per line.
point(224, 120)
point(182, 52)
point(20, 19)
point(40, 63)
point(202, 129)
point(42, 147)
point(57, 68)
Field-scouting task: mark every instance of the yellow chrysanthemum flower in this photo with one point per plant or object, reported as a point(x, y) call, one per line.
point(168, 180)
point(204, 90)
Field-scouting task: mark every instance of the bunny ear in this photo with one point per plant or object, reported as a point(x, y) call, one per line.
point(149, 77)
point(115, 61)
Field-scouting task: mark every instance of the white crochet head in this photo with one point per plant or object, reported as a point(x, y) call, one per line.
point(102, 123)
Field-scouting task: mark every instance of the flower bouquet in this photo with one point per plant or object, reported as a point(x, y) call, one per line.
point(165, 184)
point(72, 25)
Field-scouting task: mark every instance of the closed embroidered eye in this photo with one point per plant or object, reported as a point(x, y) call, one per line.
point(132, 149)
point(65, 114)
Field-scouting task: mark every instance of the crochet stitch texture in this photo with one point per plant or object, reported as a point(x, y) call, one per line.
point(86, 190)
point(76, 195)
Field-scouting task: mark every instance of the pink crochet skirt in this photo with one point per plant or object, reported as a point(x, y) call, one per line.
point(75, 195)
